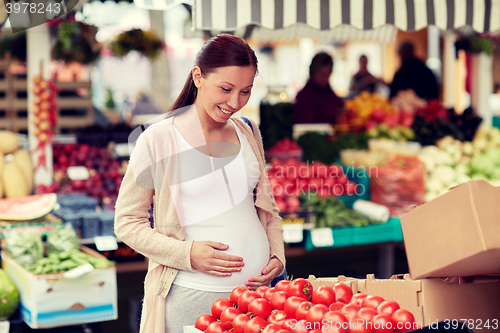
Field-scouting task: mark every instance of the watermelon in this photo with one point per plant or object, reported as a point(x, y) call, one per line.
point(27, 208)
point(9, 296)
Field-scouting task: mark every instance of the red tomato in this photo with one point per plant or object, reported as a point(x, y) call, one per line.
point(302, 309)
point(299, 287)
point(342, 180)
point(271, 328)
point(300, 326)
point(342, 292)
point(287, 324)
point(315, 331)
point(215, 327)
point(360, 326)
point(358, 298)
point(291, 304)
point(246, 298)
point(350, 310)
point(382, 323)
point(315, 313)
point(219, 306)
point(388, 307)
point(236, 293)
point(268, 293)
point(323, 295)
point(337, 306)
point(334, 322)
point(227, 316)
point(372, 301)
point(281, 285)
point(277, 317)
point(260, 307)
point(203, 321)
point(255, 325)
point(403, 321)
point(261, 290)
point(366, 314)
point(283, 331)
point(239, 323)
point(278, 300)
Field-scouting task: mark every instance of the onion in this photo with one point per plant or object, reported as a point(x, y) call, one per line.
point(44, 126)
point(43, 115)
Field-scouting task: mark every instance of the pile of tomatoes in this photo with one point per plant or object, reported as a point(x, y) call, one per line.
point(293, 306)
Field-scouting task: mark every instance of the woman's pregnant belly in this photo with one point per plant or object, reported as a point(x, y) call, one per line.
point(239, 228)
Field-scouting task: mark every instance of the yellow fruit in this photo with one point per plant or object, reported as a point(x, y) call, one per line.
point(13, 181)
point(23, 160)
point(8, 142)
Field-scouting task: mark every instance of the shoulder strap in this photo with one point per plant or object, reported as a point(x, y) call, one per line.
point(248, 122)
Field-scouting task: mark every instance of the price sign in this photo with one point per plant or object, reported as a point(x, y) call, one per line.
point(322, 237)
point(105, 243)
point(122, 149)
point(78, 173)
point(78, 271)
point(293, 233)
point(4, 326)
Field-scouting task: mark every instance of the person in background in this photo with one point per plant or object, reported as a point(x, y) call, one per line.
point(414, 74)
point(216, 224)
point(317, 102)
point(363, 80)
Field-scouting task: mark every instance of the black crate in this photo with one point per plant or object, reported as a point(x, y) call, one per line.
point(91, 224)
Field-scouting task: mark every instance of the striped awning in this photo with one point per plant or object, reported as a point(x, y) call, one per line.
point(408, 15)
point(160, 4)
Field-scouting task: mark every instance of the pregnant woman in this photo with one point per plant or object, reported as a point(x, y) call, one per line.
point(216, 224)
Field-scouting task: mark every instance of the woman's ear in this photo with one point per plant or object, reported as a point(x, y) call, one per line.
point(196, 73)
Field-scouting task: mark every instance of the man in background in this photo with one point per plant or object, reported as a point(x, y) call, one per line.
point(414, 74)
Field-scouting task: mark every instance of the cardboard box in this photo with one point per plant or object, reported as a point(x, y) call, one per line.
point(51, 300)
point(433, 300)
point(330, 281)
point(456, 234)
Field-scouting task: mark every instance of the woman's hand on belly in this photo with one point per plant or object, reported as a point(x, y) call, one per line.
point(206, 257)
point(272, 270)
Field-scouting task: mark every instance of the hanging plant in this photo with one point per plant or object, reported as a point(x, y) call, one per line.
point(477, 43)
point(76, 43)
point(144, 42)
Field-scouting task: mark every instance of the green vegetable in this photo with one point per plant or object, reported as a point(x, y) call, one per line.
point(62, 239)
point(24, 248)
point(67, 260)
point(331, 212)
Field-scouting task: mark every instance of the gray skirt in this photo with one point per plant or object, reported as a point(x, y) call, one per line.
point(185, 305)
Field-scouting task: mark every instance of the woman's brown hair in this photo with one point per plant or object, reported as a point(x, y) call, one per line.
point(220, 51)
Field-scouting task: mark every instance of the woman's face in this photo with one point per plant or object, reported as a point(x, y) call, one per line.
point(224, 91)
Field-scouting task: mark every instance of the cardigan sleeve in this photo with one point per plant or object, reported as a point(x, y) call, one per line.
point(274, 226)
point(132, 224)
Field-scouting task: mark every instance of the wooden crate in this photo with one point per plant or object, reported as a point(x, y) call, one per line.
point(75, 109)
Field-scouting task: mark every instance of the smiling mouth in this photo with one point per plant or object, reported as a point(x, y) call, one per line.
point(226, 111)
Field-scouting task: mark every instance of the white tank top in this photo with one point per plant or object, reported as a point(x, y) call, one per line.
point(222, 213)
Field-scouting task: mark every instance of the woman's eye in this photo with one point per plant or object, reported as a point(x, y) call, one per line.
point(246, 92)
point(226, 90)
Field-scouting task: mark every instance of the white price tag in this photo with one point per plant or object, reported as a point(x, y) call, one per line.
point(4, 326)
point(122, 149)
point(105, 243)
point(78, 173)
point(322, 237)
point(293, 233)
point(78, 271)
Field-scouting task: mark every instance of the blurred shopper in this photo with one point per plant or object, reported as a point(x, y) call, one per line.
point(414, 74)
point(317, 102)
point(363, 80)
point(216, 224)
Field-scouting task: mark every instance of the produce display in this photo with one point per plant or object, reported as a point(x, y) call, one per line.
point(45, 112)
point(331, 212)
point(291, 179)
point(16, 168)
point(407, 100)
point(105, 172)
point(399, 184)
point(294, 306)
point(360, 109)
point(284, 149)
point(62, 252)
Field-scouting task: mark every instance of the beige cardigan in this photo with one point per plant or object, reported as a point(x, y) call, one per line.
point(153, 165)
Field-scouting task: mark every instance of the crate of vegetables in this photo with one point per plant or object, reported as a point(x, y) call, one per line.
point(62, 284)
point(283, 150)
